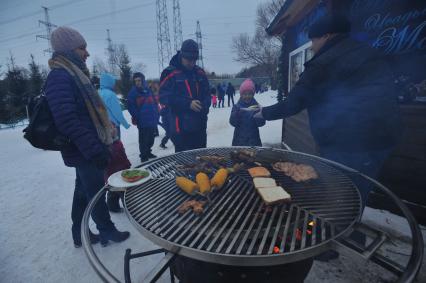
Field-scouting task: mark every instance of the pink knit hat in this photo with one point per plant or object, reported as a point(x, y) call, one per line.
point(247, 86)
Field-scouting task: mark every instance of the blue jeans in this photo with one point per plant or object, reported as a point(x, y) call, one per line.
point(368, 163)
point(89, 180)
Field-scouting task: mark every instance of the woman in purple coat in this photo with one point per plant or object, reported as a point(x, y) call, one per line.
point(81, 116)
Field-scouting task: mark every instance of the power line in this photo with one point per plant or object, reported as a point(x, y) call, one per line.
point(37, 12)
point(49, 26)
point(81, 20)
point(200, 44)
point(177, 25)
point(163, 35)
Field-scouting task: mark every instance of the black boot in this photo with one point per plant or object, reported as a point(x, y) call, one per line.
point(150, 155)
point(113, 202)
point(76, 236)
point(114, 235)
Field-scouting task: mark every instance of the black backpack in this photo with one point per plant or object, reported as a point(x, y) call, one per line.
point(41, 131)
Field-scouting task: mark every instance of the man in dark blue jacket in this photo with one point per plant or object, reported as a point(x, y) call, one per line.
point(348, 92)
point(184, 89)
point(144, 110)
point(81, 116)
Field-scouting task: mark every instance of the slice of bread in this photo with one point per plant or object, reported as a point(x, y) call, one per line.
point(261, 182)
point(259, 172)
point(273, 195)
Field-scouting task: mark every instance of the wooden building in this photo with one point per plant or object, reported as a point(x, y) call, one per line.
point(398, 29)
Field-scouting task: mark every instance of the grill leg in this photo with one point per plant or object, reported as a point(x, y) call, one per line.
point(128, 256)
point(172, 276)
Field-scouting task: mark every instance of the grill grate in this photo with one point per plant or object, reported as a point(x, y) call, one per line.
point(237, 228)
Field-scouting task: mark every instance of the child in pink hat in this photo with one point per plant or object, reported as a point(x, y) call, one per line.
point(246, 131)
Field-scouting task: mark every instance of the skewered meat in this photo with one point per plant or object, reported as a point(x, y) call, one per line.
point(244, 155)
point(196, 206)
point(298, 172)
point(215, 160)
point(195, 168)
point(206, 164)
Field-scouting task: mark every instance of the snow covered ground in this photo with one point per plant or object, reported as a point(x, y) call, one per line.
point(35, 207)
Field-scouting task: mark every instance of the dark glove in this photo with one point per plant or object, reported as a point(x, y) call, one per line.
point(101, 159)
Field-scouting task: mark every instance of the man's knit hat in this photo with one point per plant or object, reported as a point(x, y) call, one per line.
point(189, 49)
point(66, 39)
point(247, 86)
point(329, 24)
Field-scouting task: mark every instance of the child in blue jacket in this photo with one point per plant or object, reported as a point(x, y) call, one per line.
point(246, 131)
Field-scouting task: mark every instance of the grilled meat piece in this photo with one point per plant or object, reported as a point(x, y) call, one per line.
point(184, 207)
point(196, 206)
point(298, 172)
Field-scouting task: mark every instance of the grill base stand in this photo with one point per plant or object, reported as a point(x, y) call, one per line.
point(191, 271)
point(156, 273)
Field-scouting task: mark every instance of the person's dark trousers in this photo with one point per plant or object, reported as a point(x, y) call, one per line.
point(368, 163)
point(166, 137)
point(189, 140)
point(230, 98)
point(146, 141)
point(89, 180)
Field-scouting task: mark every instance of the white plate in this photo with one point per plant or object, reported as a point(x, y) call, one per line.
point(116, 181)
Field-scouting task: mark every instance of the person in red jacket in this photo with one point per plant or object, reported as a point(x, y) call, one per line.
point(185, 91)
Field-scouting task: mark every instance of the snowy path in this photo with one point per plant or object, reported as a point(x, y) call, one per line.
point(36, 190)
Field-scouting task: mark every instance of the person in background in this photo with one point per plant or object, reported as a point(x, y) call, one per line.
point(164, 113)
point(214, 97)
point(220, 95)
point(155, 88)
point(246, 131)
point(144, 110)
point(185, 90)
point(80, 115)
point(115, 113)
point(230, 91)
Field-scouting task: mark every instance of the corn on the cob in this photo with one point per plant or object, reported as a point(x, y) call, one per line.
point(219, 178)
point(186, 185)
point(203, 183)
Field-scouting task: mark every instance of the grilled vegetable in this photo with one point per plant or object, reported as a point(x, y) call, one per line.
point(203, 182)
point(186, 185)
point(219, 178)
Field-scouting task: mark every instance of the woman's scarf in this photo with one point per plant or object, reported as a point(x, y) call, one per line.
point(93, 101)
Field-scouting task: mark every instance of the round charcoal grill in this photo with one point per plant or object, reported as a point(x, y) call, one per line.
point(237, 229)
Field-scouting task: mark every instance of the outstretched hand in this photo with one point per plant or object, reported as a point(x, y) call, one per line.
point(196, 106)
point(258, 113)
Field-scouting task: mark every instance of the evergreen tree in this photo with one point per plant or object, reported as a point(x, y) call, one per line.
point(17, 92)
point(125, 83)
point(36, 79)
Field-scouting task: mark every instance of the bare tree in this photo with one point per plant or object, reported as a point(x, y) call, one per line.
point(139, 67)
point(261, 49)
point(100, 65)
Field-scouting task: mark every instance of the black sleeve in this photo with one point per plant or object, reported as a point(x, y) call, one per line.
point(297, 98)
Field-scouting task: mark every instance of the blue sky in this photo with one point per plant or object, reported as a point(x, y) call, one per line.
point(132, 22)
